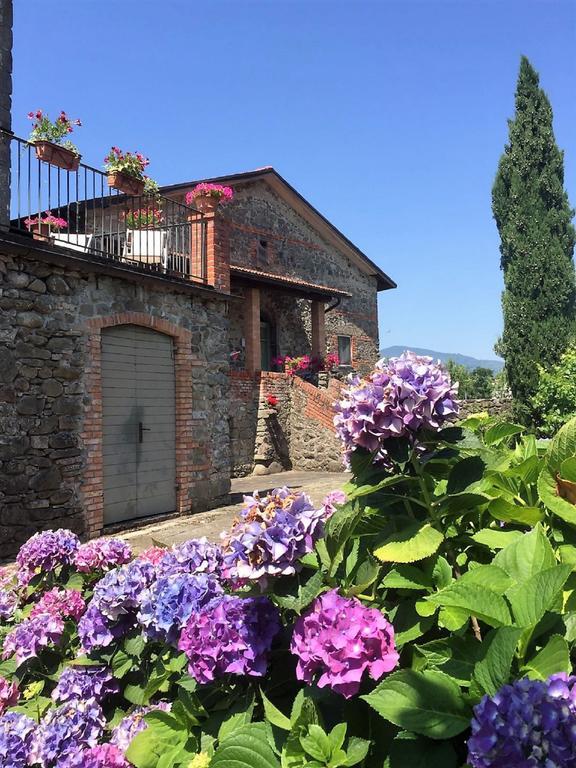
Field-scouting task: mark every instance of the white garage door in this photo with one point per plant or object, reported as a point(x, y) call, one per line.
point(138, 403)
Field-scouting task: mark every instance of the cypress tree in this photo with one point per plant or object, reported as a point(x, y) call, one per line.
point(533, 217)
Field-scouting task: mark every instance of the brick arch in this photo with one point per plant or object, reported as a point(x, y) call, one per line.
point(92, 488)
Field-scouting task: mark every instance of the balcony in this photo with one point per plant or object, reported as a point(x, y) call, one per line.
point(78, 211)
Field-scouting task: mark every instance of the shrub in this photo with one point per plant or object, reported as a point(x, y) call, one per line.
point(555, 399)
point(426, 618)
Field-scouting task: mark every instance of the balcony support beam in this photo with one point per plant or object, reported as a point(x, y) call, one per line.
point(253, 348)
point(318, 329)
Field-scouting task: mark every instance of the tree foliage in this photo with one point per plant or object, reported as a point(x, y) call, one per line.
point(477, 383)
point(555, 399)
point(533, 217)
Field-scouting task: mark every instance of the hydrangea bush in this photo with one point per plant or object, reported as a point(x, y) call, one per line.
point(422, 616)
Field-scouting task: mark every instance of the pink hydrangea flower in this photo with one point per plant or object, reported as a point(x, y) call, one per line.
point(339, 640)
point(9, 694)
point(153, 554)
point(102, 555)
point(65, 603)
point(330, 501)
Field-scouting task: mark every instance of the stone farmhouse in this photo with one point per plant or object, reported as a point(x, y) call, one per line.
point(136, 369)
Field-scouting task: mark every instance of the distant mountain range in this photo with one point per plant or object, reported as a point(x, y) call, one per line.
point(469, 362)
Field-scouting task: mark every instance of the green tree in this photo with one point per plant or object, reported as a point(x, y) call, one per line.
point(555, 400)
point(459, 373)
point(482, 380)
point(533, 217)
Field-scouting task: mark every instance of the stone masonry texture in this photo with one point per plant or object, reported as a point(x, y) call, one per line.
point(49, 401)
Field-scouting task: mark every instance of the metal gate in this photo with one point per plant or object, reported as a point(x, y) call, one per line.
point(138, 404)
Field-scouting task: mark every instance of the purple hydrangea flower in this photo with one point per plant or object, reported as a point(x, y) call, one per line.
point(400, 397)
point(112, 611)
point(96, 631)
point(16, 734)
point(100, 756)
point(44, 552)
point(230, 635)
point(527, 723)
point(8, 604)
point(82, 683)
point(118, 593)
point(9, 695)
point(193, 556)
point(102, 555)
point(65, 730)
point(271, 535)
point(66, 603)
point(27, 638)
point(134, 723)
point(338, 640)
point(331, 501)
point(168, 603)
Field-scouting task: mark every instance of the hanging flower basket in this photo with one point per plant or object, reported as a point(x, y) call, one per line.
point(125, 183)
point(56, 155)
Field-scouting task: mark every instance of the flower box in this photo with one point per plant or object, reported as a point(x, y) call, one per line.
point(130, 185)
point(56, 155)
point(206, 203)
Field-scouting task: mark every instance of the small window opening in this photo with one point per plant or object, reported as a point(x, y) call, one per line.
point(344, 350)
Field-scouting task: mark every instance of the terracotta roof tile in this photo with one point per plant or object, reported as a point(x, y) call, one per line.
point(269, 277)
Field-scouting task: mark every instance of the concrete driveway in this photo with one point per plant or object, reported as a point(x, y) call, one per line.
point(212, 523)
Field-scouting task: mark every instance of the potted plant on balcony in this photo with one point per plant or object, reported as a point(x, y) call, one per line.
point(48, 140)
point(126, 171)
point(143, 218)
point(207, 197)
point(43, 226)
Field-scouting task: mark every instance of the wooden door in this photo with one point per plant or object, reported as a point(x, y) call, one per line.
point(138, 404)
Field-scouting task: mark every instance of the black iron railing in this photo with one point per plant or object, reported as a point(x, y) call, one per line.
point(79, 211)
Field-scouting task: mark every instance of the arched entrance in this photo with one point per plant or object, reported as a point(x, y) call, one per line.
point(138, 423)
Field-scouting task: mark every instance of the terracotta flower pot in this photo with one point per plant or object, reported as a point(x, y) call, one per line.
point(206, 203)
point(125, 183)
point(41, 231)
point(56, 155)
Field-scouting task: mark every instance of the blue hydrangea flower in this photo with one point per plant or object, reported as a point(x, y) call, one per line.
point(193, 556)
point(116, 598)
point(83, 682)
point(527, 724)
point(66, 729)
point(16, 733)
point(167, 604)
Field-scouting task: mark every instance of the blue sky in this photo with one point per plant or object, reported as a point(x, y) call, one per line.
point(389, 117)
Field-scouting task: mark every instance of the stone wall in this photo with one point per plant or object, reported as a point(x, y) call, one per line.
point(267, 234)
point(314, 445)
point(493, 407)
point(298, 433)
point(49, 405)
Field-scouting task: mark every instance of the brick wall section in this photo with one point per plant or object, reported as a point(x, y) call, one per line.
point(217, 252)
point(297, 249)
point(51, 316)
point(297, 434)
